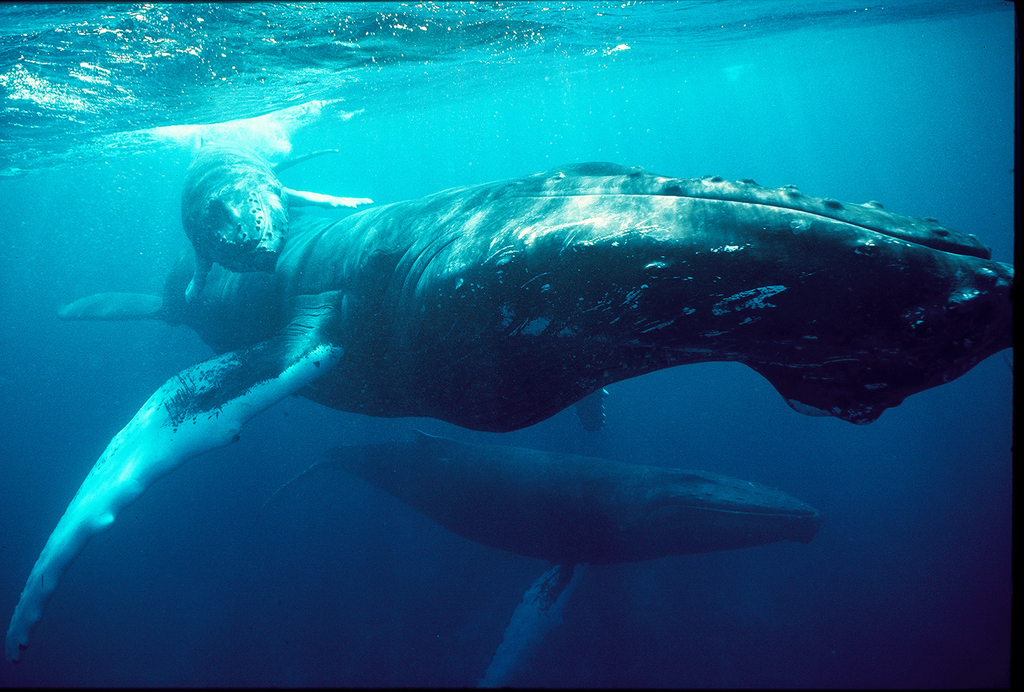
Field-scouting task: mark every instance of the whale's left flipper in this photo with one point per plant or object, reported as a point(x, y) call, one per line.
point(199, 409)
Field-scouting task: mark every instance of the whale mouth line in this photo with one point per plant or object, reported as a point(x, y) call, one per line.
point(947, 243)
point(782, 506)
point(751, 510)
point(927, 232)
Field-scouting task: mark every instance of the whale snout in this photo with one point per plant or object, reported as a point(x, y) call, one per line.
point(699, 511)
point(982, 309)
point(244, 235)
point(233, 211)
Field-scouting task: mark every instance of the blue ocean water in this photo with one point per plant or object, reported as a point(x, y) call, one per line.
point(908, 582)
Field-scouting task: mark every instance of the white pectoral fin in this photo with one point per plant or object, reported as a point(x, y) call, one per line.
point(301, 198)
point(201, 408)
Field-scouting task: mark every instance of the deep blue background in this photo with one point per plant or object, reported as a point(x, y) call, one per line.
point(908, 583)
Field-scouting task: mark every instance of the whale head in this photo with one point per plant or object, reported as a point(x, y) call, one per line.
point(232, 209)
point(699, 511)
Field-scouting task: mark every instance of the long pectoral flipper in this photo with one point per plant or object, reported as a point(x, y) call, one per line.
point(539, 612)
point(301, 198)
point(201, 408)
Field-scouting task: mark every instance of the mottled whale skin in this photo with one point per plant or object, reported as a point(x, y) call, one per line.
point(235, 211)
point(572, 509)
point(587, 275)
point(495, 306)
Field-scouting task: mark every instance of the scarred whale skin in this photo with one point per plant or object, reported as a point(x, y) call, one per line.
point(233, 210)
point(495, 306)
point(586, 275)
point(574, 509)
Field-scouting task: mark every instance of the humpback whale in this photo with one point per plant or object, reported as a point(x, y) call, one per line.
point(572, 509)
point(235, 210)
point(568, 509)
point(495, 306)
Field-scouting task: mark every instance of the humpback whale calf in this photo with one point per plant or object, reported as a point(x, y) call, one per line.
point(235, 210)
point(495, 306)
point(572, 509)
point(568, 509)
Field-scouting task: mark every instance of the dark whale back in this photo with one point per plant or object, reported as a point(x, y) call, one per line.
point(495, 306)
point(574, 509)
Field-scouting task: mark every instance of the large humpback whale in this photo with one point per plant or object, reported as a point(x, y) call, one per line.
point(495, 306)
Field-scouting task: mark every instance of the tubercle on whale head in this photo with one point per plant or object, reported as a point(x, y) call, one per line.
point(926, 344)
point(870, 215)
point(844, 317)
point(233, 210)
point(244, 231)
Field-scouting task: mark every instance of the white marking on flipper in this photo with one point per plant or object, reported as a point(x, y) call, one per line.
point(301, 198)
point(201, 408)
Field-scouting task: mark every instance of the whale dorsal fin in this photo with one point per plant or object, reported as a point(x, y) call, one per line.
point(590, 410)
